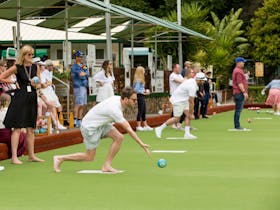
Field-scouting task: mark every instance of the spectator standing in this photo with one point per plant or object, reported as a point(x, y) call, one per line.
point(240, 90)
point(79, 73)
point(105, 81)
point(139, 88)
point(175, 79)
point(22, 111)
point(188, 66)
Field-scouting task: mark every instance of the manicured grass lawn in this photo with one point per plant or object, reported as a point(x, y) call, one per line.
point(221, 170)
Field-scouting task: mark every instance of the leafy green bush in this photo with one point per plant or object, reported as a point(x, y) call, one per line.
point(255, 95)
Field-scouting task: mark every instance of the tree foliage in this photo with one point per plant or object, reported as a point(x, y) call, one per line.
point(227, 44)
point(265, 33)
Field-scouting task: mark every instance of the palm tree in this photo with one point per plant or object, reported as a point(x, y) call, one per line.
point(193, 17)
point(227, 44)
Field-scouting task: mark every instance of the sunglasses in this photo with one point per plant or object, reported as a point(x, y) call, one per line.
point(29, 54)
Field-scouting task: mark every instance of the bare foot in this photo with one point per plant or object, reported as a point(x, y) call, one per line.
point(16, 161)
point(108, 168)
point(35, 159)
point(56, 164)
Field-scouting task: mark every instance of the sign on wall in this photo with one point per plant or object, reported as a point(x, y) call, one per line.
point(259, 69)
point(159, 82)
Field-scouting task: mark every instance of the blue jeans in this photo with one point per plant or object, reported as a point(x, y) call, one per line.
point(239, 102)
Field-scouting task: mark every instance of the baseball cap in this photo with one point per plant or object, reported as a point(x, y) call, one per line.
point(240, 59)
point(200, 76)
point(78, 54)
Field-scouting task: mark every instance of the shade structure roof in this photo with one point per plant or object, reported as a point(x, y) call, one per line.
point(52, 15)
point(30, 33)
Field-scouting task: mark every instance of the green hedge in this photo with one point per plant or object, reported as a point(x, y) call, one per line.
point(255, 95)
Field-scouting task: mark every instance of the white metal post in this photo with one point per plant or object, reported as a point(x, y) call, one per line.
point(179, 20)
point(108, 33)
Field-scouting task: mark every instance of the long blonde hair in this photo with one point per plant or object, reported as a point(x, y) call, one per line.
point(139, 75)
point(23, 51)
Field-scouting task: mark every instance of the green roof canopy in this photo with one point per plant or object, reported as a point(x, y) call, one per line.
point(53, 14)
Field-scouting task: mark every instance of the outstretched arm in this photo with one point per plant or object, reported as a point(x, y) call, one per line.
point(131, 132)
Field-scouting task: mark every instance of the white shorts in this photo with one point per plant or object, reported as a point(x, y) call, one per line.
point(51, 97)
point(178, 109)
point(93, 136)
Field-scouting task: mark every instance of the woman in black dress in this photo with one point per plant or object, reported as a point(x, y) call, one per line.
point(22, 111)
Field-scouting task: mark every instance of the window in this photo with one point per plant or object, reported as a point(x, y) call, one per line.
point(100, 54)
point(59, 54)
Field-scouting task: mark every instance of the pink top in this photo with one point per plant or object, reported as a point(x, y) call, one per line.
point(237, 78)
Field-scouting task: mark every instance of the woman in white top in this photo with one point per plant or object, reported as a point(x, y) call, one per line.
point(105, 80)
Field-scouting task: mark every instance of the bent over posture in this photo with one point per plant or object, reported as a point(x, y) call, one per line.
point(97, 124)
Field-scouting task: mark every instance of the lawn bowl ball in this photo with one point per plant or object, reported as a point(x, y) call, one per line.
point(249, 120)
point(162, 163)
point(35, 80)
point(258, 111)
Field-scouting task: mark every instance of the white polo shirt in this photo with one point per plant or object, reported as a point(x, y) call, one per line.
point(105, 112)
point(185, 90)
point(172, 84)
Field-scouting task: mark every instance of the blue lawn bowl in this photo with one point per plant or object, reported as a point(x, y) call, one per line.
point(162, 163)
point(36, 79)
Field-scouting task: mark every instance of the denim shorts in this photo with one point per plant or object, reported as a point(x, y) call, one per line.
point(80, 94)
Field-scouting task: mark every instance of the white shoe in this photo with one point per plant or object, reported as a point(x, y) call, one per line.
point(158, 132)
point(190, 136)
point(139, 128)
point(147, 128)
point(61, 127)
point(2, 168)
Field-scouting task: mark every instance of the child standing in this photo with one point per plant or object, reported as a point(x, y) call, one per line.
point(139, 87)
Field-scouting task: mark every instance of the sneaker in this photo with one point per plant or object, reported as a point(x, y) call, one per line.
point(241, 129)
point(61, 127)
point(204, 116)
point(147, 128)
point(158, 132)
point(2, 168)
point(139, 128)
point(190, 136)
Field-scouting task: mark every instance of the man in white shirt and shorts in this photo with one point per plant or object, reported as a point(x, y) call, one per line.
point(97, 124)
point(183, 102)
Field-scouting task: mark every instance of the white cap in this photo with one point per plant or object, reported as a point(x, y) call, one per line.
point(200, 76)
point(36, 60)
